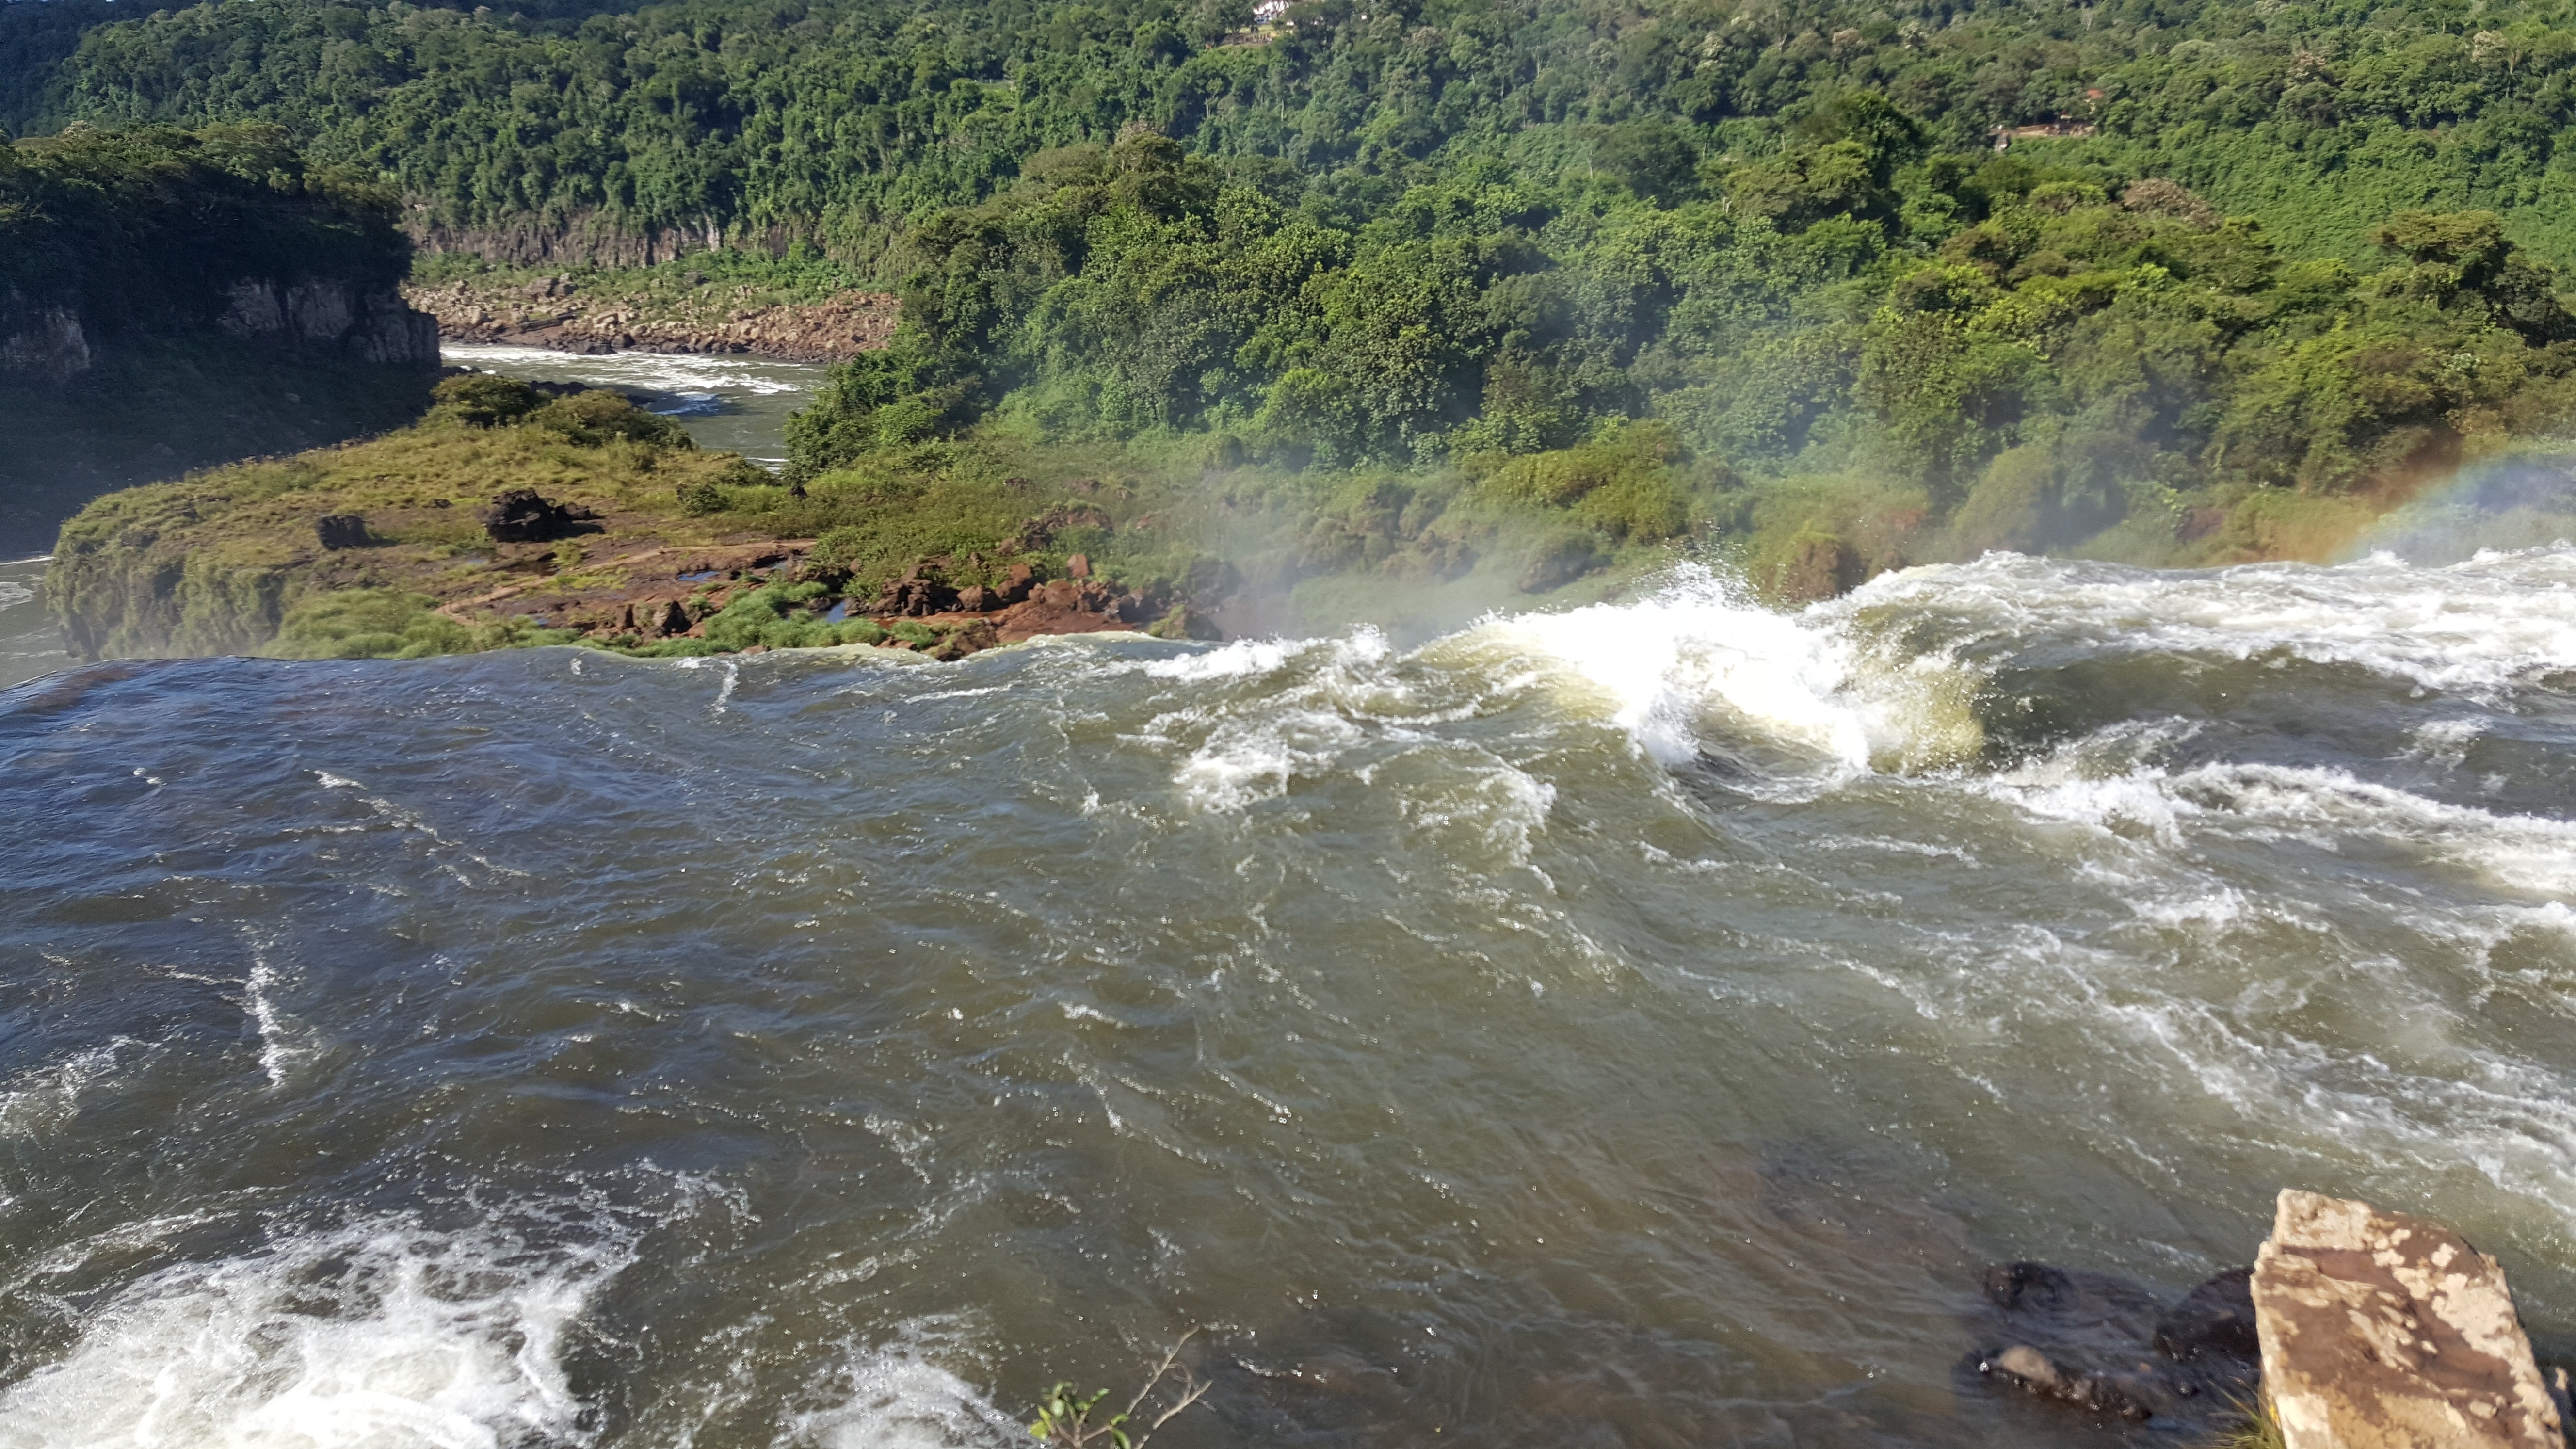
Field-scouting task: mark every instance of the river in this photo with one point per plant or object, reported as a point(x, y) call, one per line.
point(1633, 1025)
point(728, 403)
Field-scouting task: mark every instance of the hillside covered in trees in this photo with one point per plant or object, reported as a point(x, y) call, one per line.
point(1619, 276)
point(845, 118)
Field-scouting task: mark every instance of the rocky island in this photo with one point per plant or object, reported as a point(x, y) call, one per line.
point(513, 516)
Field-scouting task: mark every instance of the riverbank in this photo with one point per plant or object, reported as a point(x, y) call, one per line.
point(715, 303)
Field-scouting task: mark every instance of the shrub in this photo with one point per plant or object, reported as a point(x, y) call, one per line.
point(594, 417)
point(485, 399)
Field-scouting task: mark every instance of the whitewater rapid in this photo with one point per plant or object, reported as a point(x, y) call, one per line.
point(1636, 1021)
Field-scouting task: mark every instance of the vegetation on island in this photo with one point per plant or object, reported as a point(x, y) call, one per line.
point(387, 547)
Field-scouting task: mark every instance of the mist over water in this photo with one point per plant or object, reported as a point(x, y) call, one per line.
point(1631, 1025)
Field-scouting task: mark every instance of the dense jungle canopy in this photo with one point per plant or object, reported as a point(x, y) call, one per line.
point(1654, 251)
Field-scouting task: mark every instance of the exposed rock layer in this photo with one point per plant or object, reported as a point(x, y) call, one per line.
point(557, 313)
point(2384, 1331)
point(322, 317)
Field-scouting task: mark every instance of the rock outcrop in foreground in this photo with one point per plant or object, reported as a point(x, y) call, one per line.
point(2384, 1331)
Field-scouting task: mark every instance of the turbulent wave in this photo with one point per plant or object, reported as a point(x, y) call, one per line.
point(1699, 664)
point(2495, 620)
point(663, 372)
point(380, 1334)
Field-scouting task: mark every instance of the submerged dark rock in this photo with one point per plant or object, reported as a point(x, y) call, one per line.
point(2113, 1348)
point(2214, 1323)
point(2038, 1374)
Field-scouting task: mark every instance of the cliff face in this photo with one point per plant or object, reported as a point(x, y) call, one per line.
point(171, 299)
point(594, 241)
point(361, 320)
point(47, 344)
point(617, 312)
point(118, 242)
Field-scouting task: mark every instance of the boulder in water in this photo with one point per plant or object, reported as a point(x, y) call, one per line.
point(2214, 1323)
point(2035, 1372)
point(2385, 1331)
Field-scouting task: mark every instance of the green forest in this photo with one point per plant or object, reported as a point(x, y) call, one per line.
point(1623, 277)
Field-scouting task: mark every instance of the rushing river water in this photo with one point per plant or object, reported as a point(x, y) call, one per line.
point(1627, 1026)
point(734, 404)
point(30, 644)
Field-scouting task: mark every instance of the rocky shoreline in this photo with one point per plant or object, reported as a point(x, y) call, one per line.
point(2354, 1329)
point(661, 594)
point(560, 313)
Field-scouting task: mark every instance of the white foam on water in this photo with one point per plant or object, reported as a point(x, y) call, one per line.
point(384, 1336)
point(14, 594)
point(2496, 620)
point(1251, 746)
point(2446, 742)
point(899, 1396)
point(2326, 808)
point(674, 372)
point(1700, 663)
point(50, 1095)
point(276, 1051)
point(1241, 659)
point(1249, 759)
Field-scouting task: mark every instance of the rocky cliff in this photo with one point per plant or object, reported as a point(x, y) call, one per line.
point(351, 319)
point(120, 240)
point(596, 311)
point(170, 300)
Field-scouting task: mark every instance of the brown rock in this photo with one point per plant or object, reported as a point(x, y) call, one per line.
point(1823, 567)
point(1061, 594)
point(1018, 582)
point(2036, 1373)
point(1078, 566)
point(968, 639)
point(975, 598)
point(2384, 1331)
